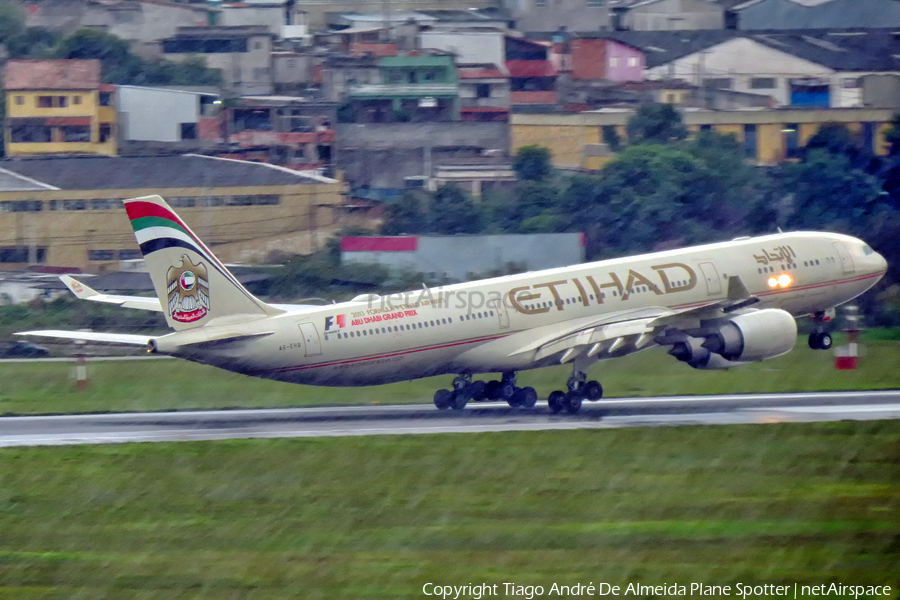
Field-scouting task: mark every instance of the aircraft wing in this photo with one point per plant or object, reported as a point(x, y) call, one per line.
point(85, 292)
point(91, 336)
point(625, 332)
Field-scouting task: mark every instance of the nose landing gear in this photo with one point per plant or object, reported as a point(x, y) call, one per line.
point(820, 339)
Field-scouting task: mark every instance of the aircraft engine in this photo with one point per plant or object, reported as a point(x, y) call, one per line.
point(742, 339)
point(691, 351)
point(754, 336)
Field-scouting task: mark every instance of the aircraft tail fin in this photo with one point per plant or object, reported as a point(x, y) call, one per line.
point(193, 286)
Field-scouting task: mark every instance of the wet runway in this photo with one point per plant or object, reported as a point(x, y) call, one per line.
point(425, 418)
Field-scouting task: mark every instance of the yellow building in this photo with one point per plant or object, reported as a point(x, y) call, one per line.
point(58, 107)
point(66, 214)
point(768, 136)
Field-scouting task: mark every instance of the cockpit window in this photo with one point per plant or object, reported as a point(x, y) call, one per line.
point(867, 250)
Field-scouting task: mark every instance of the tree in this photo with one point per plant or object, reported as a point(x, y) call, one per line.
point(836, 138)
point(452, 211)
point(404, 216)
point(12, 21)
point(33, 42)
point(532, 163)
point(498, 211)
point(829, 193)
point(666, 195)
point(892, 137)
point(535, 198)
point(190, 71)
point(736, 189)
point(656, 124)
point(611, 138)
point(891, 170)
point(118, 64)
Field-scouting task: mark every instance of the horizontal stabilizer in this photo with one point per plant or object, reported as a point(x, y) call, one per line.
point(91, 336)
point(85, 292)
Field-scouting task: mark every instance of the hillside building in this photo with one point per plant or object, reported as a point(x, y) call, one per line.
point(58, 107)
point(768, 136)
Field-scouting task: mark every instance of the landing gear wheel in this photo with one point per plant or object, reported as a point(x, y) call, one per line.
point(478, 390)
point(814, 340)
point(492, 389)
point(593, 390)
point(820, 340)
point(442, 399)
point(516, 399)
point(572, 403)
point(459, 399)
point(506, 391)
point(555, 401)
point(526, 397)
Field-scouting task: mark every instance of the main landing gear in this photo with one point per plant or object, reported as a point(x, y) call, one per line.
point(464, 390)
point(820, 339)
point(579, 390)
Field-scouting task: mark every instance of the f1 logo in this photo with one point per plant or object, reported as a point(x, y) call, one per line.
point(334, 323)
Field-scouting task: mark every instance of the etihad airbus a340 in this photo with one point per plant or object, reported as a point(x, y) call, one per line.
point(715, 306)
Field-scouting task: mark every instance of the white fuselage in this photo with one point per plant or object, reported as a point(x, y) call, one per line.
point(483, 326)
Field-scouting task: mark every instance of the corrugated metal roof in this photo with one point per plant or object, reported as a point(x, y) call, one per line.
point(152, 172)
point(14, 182)
point(59, 74)
point(838, 49)
point(798, 14)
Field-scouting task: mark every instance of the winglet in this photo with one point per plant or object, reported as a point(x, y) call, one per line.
point(80, 290)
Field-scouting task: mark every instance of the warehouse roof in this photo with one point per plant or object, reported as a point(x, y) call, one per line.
point(150, 172)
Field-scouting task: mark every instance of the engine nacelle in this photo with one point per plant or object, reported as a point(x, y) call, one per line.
point(754, 336)
point(716, 362)
point(691, 351)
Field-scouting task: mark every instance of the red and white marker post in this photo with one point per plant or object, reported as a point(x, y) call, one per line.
point(81, 380)
point(846, 357)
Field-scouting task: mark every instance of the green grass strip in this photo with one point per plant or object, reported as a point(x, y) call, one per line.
point(41, 388)
point(378, 517)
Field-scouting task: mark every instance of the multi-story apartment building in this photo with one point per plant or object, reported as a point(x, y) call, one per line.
point(58, 107)
point(242, 53)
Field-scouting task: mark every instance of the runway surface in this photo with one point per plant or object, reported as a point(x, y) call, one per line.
point(422, 418)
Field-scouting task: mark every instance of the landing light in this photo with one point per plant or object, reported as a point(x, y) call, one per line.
point(783, 280)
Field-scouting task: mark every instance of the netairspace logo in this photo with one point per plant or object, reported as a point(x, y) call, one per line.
point(477, 591)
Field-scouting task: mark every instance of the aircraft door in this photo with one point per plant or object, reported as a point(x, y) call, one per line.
point(502, 314)
point(846, 259)
point(311, 339)
point(713, 285)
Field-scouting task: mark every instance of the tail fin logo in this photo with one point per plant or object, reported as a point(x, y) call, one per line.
point(187, 288)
